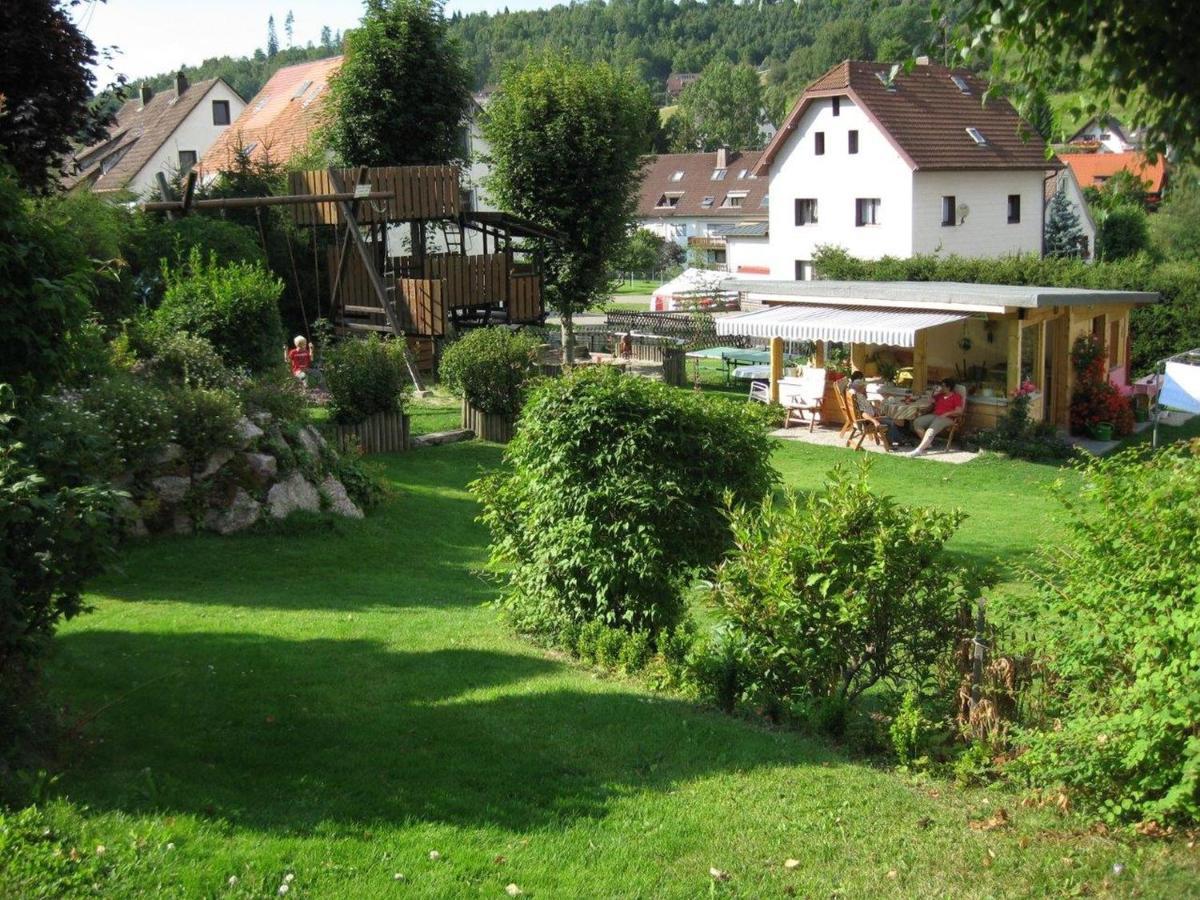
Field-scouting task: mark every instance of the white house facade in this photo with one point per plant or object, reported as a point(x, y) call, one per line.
point(903, 165)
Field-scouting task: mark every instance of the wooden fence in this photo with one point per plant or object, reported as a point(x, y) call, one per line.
point(380, 433)
point(420, 192)
point(426, 308)
point(525, 298)
point(695, 329)
point(469, 280)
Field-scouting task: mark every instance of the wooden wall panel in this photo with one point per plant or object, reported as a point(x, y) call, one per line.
point(421, 192)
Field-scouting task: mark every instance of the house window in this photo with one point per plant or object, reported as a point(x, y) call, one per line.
point(819, 143)
point(765, 202)
point(707, 202)
point(806, 211)
point(804, 270)
point(852, 140)
point(668, 201)
point(837, 106)
point(743, 173)
point(949, 209)
point(187, 159)
point(733, 200)
point(1114, 344)
point(866, 211)
point(1014, 209)
point(677, 176)
point(220, 112)
point(718, 175)
point(977, 136)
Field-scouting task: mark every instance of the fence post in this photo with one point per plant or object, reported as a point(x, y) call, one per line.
point(978, 649)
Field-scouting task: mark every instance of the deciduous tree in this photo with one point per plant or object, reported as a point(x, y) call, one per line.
point(401, 96)
point(565, 145)
point(724, 108)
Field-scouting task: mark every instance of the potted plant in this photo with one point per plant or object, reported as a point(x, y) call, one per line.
point(489, 369)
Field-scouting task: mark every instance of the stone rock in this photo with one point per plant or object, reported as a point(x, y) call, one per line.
point(182, 523)
point(263, 466)
point(170, 453)
point(262, 418)
point(442, 437)
point(171, 488)
point(292, 494)
point(132, 522)
point(218, 458)
point(243, 512)
point(248, 432)
point(312, 441)
point(339, 501)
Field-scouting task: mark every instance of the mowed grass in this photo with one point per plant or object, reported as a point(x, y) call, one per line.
point(337, 702)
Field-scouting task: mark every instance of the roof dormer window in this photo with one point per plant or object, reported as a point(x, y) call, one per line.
point(743, 173)
point(669, 200)
point(733, 200)
point(977, 136)
point(887, 81)
point(718, 175)
point(961, 84)
point(707, 202)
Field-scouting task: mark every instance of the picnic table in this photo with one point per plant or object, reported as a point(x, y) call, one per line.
point(905, 409)
point(735, 357)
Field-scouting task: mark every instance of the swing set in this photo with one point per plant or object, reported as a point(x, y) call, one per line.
point(407, 258)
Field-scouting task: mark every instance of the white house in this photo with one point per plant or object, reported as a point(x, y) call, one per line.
point(694, 198)
point(1107, 135)
point(900, 165)
point(166, 132)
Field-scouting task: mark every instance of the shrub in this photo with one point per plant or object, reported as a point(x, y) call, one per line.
point(1094, 399)
point(158, 243)
point(52, 539)
point(178, 358)
point(233, 305)
point(611, 494)
point(69, 443)
point(364, 376)
point(490, 367)
point(1115, 626)
point(134, 413)
point(203, 420)
point(1018, 436)
point(365, 489)
point(835, 592)
point(278, 394)
point(1124, 231)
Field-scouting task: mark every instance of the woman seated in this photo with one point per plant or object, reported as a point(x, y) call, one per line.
point(947, 407)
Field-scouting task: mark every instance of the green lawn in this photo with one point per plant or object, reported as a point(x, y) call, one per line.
point(638, 287)
point(335, 702)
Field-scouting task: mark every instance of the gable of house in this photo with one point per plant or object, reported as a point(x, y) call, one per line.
point(281, 119)
point(1093, 169)
point(934, 116)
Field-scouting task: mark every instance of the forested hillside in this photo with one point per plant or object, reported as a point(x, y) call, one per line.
point(793, 41)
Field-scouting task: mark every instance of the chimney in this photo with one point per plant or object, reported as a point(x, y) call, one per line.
point(922, 60)
point(146, 94)
point(722, 157)
point(181, 83)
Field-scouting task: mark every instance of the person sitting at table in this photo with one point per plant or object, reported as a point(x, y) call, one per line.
point(947, 406)
point(856, 391)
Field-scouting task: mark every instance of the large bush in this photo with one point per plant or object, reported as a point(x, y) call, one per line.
point(611, 493)
point(1114, 624)
point(44, 288)
point(1019, 436)
point(233, 305)
point(829, 594)
point(52, 539)
point(134, 414)
point(1124, 231)
point(1094, 399)
point(364, 376)
point(490, 368)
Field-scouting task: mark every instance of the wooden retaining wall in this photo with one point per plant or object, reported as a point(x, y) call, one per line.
point(488, 426)
point(380, 433)
point(422, 192)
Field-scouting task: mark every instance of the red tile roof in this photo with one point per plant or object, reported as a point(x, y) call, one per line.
point(135, 136)
point(1093, 169)
point(279, 122)
point(687, 179)
point(925, 115)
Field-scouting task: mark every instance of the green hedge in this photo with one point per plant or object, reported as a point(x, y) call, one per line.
point(1157, 331)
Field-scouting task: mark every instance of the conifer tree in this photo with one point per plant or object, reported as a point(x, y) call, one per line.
point(1064, 234)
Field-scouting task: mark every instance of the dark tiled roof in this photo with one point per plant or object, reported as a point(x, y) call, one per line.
point(136, 134)
point(749, 230)
point(694, 172)
point(280, 120)
point(925, 115)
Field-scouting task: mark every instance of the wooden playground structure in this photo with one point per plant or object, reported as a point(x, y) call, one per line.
point(398, 262)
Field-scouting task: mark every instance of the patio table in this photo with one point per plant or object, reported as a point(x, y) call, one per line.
point(902, 410)
point(752, 372)
point(735, 357)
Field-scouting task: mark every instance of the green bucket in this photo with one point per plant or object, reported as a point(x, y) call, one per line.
point(1102, 431)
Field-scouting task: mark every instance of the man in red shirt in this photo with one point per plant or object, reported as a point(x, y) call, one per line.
point(299, 358)
point(948, 405)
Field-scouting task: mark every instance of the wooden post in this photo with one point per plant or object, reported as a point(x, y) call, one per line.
point(978, 649)
point(819, 354)
point(858, 357)
point(776, 367)
point(920, 363)
point(1014, 355)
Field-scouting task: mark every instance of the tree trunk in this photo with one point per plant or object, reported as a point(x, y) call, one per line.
point(568, 337)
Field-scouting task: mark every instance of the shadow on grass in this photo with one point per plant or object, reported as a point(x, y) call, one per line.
point(296, 735)
point(421, 548)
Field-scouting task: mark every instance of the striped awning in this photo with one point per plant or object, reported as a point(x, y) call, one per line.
point(842, 324)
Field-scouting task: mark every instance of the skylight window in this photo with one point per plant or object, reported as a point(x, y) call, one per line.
point(977, 136)
point(886, 80)
point(743, 173)
point(961, 84)
point(718, 175)
point(303, 87)
point(707, 202)
point(261, 103)
point(677, 176)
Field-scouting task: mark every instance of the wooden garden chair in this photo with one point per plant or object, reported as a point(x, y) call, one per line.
point(862, 426)
point(952, 431)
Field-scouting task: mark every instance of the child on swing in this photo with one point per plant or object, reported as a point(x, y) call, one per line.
point(299, 358)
